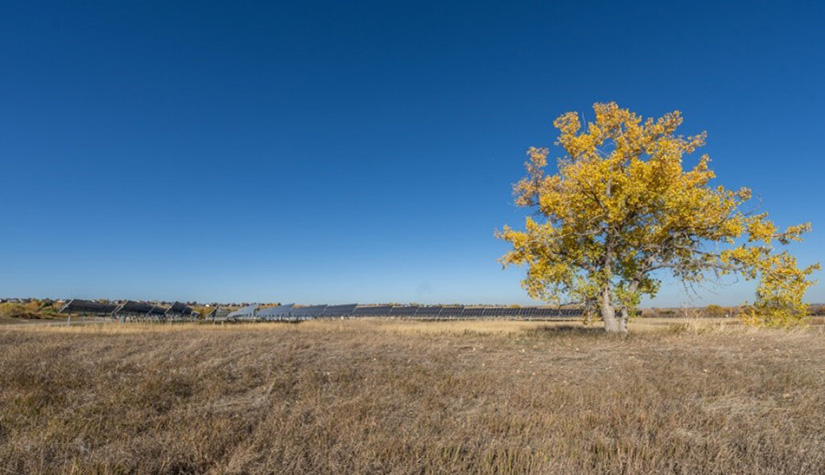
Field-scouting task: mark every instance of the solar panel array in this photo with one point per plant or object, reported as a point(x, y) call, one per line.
point(137, 310)
point(130, 307)
point(431, 311)
point(157, 311)
point(245, 313)
point(372, 311)
point(403, 311)
point(473, 312)
point(280, 312)
point(339, 310)
point(451, 311)
point(219, 313)
point(305, 313)
point(134, 310)
point(458, 311)
point(88, 307)
point(178, 308)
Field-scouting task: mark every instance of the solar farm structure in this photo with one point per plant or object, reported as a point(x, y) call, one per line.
point(130, 310)
point(134, 311)
point(294, 313)
point(88, 307)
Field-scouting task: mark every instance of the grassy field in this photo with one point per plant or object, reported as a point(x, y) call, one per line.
point(411, 397)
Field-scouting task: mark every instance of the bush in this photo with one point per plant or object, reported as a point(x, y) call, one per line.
point(16, 310)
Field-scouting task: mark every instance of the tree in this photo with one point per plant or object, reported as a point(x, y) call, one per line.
point(715, 311)
point(622, 210)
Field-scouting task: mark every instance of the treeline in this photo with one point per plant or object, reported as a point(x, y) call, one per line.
point(715, 311)
point(33, 309)
point(37, 309)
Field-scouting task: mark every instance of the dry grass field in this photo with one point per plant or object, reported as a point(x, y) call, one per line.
point(411, 397)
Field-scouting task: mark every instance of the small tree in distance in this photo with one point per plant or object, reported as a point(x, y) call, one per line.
point(622, 209)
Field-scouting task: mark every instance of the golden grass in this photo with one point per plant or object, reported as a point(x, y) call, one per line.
point(382, 396)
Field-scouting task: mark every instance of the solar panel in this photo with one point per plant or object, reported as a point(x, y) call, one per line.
point(88, 307)
point(545, 312)
point(451, 311)
point(220, 313)
point(244, 313)
point(372, 311)
point(526, 312)
point(157, 310)
point(304, 313)
point(178, 308)
point(403, 311)
point(280, 312)
point(494, 311)
point(572, 312)
point(134, 308)
point(428, 311)
point(339, 310)
point(473, 312)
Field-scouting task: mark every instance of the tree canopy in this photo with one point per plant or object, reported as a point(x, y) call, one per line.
point(623, 209)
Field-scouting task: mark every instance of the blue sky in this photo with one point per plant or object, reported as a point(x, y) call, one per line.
point(363, 151)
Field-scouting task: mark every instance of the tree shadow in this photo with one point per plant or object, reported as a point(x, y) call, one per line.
point(568, 330)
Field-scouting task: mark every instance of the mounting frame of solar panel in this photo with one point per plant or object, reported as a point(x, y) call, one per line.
point(158, 312)
point(179, 310)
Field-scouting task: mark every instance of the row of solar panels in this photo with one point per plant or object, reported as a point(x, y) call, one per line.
point(291, 312)
point(128, 308)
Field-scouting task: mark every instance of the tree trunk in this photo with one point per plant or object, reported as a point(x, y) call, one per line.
point(623, 320)
point(611, 323)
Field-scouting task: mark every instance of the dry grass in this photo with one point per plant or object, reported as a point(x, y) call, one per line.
point(411, 397)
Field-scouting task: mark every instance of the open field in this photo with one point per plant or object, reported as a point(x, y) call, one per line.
point(411, 397)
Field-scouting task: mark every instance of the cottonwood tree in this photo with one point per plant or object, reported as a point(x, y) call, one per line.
point(623, 210)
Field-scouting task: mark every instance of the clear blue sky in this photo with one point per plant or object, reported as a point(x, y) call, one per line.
point(362, 151)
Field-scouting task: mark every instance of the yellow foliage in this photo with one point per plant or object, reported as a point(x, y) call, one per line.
point(623, 206)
